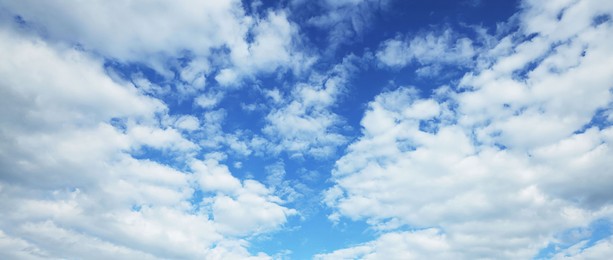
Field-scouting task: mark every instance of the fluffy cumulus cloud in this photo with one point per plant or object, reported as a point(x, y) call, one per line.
point(71, 187)
point(235, 200)
point(154, 33)
point(497, 166)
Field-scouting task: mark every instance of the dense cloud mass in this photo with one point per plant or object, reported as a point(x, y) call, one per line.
point(327, 130)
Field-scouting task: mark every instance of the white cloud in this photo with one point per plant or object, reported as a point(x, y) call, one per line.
point(509, 157)
point(160, 138)
point(237, 199)
point(70, 187)
point(131, 31)
point(215, 177)
point(64, 243)
point(394, 53)
point(217, 33)
point(212, 128)
point(303, 124)
point(193, 78)
point(187, 123)
point(208, 100)
point(75, 97)
point(430, 50)
point(345, 21)
point(272, 44)
point(238, 165)
point(601, 250)
point(144, 85)
point(254, 201)
point(16, 248)
point(227, 77)
point(401, 245)
point(282, 186)
point(212, 137)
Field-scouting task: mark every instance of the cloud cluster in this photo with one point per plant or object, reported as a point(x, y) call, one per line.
point(499, 165)
point(73, 186)
point(217, 38)
point(304, 124)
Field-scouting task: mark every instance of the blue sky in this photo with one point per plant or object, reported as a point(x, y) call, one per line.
point(349, 129)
